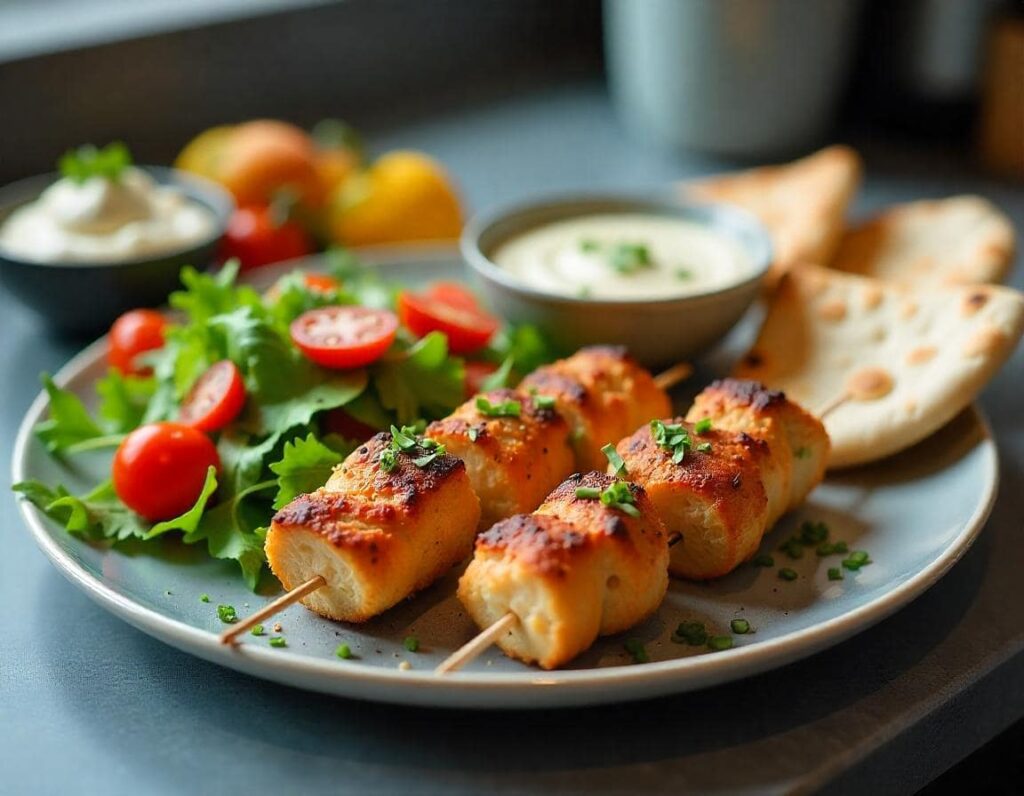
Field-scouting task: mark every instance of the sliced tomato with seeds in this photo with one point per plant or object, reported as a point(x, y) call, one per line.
point(344, 337)
point(321, 283)
point(454, 294)
point(468, 329)
point(216, 398)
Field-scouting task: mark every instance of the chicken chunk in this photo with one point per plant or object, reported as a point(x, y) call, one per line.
point(714, 496)
point(604, 394)
point(516, 450)
point(376, 535)
point(591, 570)
point(796, 437)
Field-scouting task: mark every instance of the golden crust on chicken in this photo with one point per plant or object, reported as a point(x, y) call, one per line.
point(513, 460)
point(604, 394)
point(573, 570)
point(375, 535)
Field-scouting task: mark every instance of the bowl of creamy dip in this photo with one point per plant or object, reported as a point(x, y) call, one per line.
point(82, 252)
point(665, 278)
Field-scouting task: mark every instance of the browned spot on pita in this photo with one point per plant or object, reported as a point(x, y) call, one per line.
point(834, 310)
point(987, 340)
point(908, 310)
point(973, 302)
point(921, 354)
point(869, 384)
point(872, 297)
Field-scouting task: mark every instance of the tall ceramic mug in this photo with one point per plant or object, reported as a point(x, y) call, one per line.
point(734, 77)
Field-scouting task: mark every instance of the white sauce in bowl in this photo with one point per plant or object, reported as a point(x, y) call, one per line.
point(101, 220)
point(624, 256)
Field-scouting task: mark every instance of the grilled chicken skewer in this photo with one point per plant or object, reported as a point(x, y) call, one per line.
point(717, 482)
point(373, 537)
point(572, 570)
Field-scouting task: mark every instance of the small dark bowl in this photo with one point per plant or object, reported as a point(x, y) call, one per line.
point(82, 298)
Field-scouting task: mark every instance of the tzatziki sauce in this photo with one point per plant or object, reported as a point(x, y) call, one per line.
point(624, 256)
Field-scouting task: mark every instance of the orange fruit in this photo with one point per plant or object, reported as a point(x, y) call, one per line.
point(403, 196)
point(204, 153)
point(262, 158)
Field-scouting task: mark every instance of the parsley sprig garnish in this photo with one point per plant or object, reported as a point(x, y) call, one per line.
point(108, 163)
point(673, 438)
point(624, 257)
point(614, 460)
point(407, 440)
point(510, 408)
point(617, 496)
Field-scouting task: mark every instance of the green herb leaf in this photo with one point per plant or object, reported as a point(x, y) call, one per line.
point(509, 408)
point(500, 377)
point(672, 437)
point(227, 614)
point(305, 465)
point(637, 651)
point(123, 399)
point(344, 651)
point(544, 401)
point(422, 381)
point(703, 425)
point(740, 626)
point(615, 460)
point(411, 643)
point(692, 633)
point(108, 163)
point(189, 521)
point(69, 422)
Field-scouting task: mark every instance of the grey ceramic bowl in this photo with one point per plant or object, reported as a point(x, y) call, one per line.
point(83, 298)
point(656, 331)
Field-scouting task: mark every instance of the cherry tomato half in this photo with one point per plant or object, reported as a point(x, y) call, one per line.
point(215, 399)
point(256, 238)
point(476, 373)
point(159, 470)
point(321, 283)
point(344, 337)
point(454, 294)
point(467, 328)
point(132, 334)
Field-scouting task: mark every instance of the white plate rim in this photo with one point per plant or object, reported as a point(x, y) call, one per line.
point(483, 689)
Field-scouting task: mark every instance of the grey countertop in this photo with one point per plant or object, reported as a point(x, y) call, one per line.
point(88, 704)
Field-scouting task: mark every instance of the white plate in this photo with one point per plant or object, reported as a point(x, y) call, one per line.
point(916, 514)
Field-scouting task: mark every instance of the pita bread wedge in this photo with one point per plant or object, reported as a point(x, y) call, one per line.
point(802, 203)
point(960, 240)
point(910, 360)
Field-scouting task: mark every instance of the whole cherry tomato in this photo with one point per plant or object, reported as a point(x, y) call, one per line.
point(256, 238)
point(134, 333)
point(160, 468)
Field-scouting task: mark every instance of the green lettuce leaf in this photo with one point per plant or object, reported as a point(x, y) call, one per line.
point(123, 400)
point(97, 516)
point(422, 381)
point(305, 465)
point(69, 422)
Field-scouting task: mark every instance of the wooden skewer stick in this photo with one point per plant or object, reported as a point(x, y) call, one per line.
point(668, 379)
point(267, 611)
point(834, 404)
point(472, 649)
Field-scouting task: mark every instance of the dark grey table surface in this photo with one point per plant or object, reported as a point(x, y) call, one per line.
point(88, 704)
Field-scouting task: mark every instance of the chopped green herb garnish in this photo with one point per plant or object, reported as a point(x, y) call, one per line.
point(388, 460)
point(787, 574)
point(589, 246)
point(763, 560)
point(704, 447)
point(544, 401)
point(835, 573)
point(793, 548)
point(257, 630)
point(740, 626)
point(682, 274)
point(856, 560)
point(473, 433)
point(278, 641)
point(813, 532)
point(614, 460)
point(628, 258)
point(840, 547)
point(508, 408)
point(204, 598)
point(402, 438)
point(692, 633)
point(637, 651)
point(227, 614)
point(703, 426)
point(108, 163)
point(343, 651)
point(673, 438)
point(719, 643)
point(617, 496)
point(411, 643)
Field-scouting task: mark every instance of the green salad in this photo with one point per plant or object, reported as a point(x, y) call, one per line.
point(254, 399)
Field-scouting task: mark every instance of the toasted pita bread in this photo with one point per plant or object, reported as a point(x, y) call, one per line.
point(910, 360)
point(802, 203)
point(960, 240)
